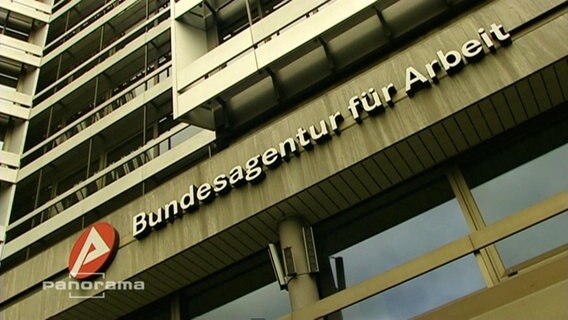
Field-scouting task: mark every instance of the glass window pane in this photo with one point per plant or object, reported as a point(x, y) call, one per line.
point(534, 241)
point(412, 238)
point(268, 302)
point(421, 294)
point(523, 186)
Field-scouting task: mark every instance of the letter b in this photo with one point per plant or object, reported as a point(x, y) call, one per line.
point(140, 226)
point(451, 61)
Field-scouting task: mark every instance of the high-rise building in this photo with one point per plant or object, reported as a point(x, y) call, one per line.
point(278, 159)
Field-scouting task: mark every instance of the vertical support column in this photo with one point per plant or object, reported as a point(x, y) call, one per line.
point(7, 192)
point(17, 129)
point(488, 259)
point(302, 288)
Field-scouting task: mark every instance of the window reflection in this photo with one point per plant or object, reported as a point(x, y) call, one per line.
point(534, 241)
point(421, 294)
point(268, 302)
point(523, 186)
point(421, 234)
point(520, 188)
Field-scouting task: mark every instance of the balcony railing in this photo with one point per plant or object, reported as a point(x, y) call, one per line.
point(97, 57)
point(101, 12)
point(132, 89)
point(58, 5)
point(107, 176)
point(261, 37)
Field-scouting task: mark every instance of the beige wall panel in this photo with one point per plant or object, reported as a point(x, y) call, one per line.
point(548, 303)
point(531, 294)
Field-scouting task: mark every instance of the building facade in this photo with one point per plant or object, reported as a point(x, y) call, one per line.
point(277, 159)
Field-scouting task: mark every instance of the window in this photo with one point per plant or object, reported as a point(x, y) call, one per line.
point(244, 290)
point(268, 302)
point(421, 234)
point(533, 242)
point(523, 186)
point(518, 189)
point(421, 294)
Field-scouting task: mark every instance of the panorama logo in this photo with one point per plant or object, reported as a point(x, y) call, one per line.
point(93, 251)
